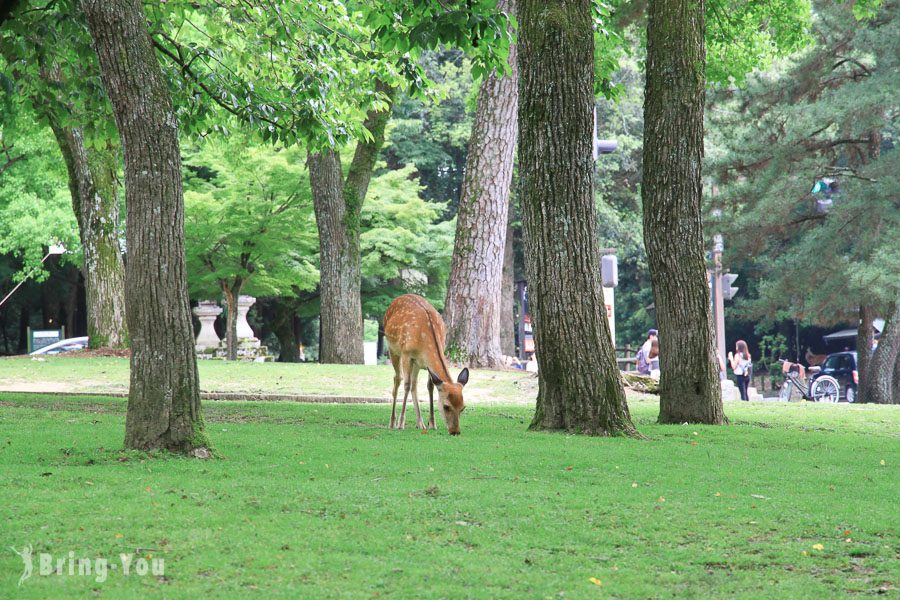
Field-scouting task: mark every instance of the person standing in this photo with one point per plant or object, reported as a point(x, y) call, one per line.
point(741, 365)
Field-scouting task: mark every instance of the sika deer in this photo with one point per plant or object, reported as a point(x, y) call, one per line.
point(415, 335)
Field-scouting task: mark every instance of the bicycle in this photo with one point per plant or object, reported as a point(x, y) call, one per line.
point(824, 389)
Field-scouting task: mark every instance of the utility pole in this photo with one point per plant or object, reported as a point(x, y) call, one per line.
point(717, 297)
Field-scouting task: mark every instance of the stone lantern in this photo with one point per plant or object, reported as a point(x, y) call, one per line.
point(207, 311)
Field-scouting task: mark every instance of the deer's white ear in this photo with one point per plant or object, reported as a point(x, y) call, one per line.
point(434, 378)
point(463, 377)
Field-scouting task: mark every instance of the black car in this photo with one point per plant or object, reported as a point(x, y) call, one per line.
point(841, 366)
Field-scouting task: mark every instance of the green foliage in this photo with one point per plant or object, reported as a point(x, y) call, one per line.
point(828, 112)
point(771, 349)
point(403, 247)
point(306, 71)
point(35, 203)
point(48, 55)
point(433, 133)
point(248, 217)
point(745, 36)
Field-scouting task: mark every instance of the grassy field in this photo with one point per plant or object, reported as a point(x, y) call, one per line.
point(91, 375)
point(790, 501)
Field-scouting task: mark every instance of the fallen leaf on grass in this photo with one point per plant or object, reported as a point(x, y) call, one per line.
point(818, 547)
point(569, 468)
point(718, 494)
point(595, 581)
point(661, 499)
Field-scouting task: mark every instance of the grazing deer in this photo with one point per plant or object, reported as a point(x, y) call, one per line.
point(415, 335)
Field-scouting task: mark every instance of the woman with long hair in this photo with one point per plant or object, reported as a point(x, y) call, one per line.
point(741, 365)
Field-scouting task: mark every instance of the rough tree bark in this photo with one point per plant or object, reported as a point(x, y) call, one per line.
point(580, 388)
point(474, 290)
point(673, 154)
point(881, 372)
point(895, 386)
point(338, 205)
point(507, 291)
point(864, 339)
point(95, 201)
point(164, 399)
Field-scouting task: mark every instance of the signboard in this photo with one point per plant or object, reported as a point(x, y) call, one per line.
point(40, 338)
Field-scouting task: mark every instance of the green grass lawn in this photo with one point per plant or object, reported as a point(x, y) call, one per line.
point(90, 375)
point(790, 501)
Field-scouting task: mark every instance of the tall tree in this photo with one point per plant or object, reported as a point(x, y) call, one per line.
point(249, 226)
point(164, 396)
point(474, 292)
point(826, 114)
point(672, 189)
point(93, 182)
point(580, 389)
point(338, 203)
point(48, 54)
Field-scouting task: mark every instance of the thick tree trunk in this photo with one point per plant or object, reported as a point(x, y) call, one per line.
point(474, 291)
point(673, 154)
point(95, 201)
point(507, 291)
point(880, 376)
point(338, 205)
point(341, 313)
point(864, 339)
point(164, 398)
point(580, 389)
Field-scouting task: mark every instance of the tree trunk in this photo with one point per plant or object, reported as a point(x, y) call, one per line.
point(283, 327)
point(95, 201)
point(673, 154)
point(895, 386)
point(580, 388)
point(232, 293)
point(341, 313)
point(338, 205)
point(881, 369)
point(507, 291)
point(164, 398)
point(475, 288)
point(864, 339)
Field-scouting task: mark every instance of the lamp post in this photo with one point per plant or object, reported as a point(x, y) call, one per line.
point(54, 249)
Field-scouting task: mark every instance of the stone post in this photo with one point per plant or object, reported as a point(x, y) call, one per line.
point(207, 311)
point(244, 332)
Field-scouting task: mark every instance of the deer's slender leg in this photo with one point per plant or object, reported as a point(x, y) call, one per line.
point(395, 360)
point(431, 403)
point(405, 369)
point(414, 376)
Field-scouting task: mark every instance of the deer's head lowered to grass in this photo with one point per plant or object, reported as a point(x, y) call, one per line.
point(414, 332)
